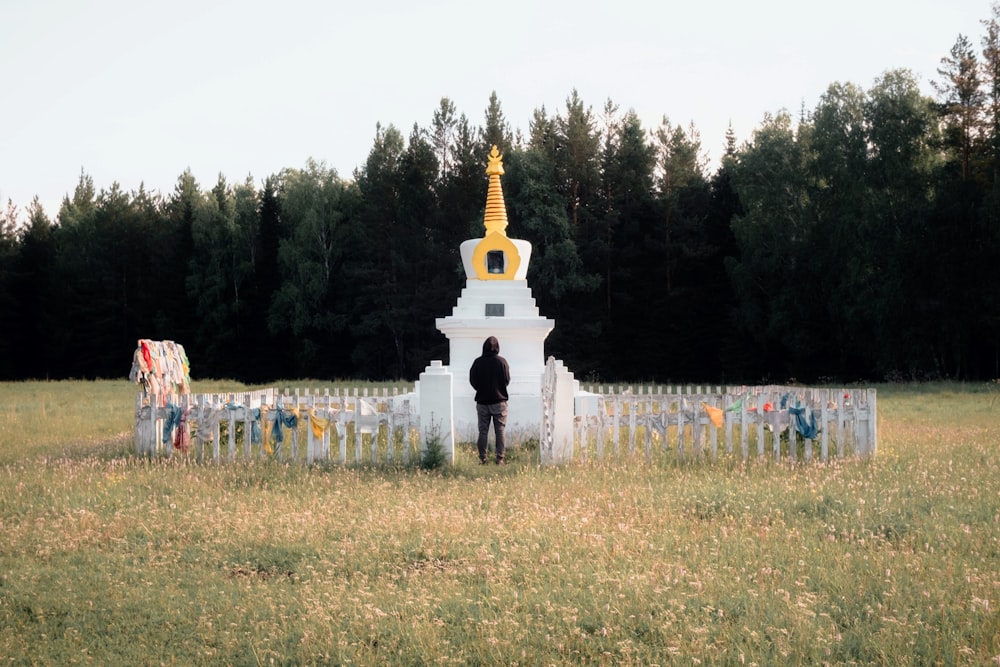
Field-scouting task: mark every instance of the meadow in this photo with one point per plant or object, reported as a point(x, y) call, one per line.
point(108, 559)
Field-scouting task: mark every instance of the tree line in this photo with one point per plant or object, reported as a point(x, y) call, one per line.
point(856, 240)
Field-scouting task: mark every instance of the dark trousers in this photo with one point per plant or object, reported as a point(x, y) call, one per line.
point(497, 413)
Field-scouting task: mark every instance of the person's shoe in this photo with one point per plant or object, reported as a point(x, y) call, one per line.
point(501, 462)
point(483, 462)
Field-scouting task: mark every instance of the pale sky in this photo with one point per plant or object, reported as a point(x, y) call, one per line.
point(132, 91)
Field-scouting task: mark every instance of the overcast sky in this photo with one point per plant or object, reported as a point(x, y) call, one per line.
point(132, 91)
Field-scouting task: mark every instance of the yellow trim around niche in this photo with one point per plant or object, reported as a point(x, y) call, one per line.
point(496, 241)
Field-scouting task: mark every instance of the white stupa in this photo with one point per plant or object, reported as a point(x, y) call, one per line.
point(497, 302)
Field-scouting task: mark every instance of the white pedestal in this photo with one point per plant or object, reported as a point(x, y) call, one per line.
point(436, 404)
point(558, 448)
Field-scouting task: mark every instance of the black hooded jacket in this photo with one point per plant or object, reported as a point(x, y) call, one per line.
point(490, 374)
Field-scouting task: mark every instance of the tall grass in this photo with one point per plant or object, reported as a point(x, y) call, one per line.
point(108, 559)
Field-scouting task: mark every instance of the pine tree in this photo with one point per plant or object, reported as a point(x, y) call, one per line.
point(991, 78)
point(444, 128)
point(496, 131)
point(962, 99)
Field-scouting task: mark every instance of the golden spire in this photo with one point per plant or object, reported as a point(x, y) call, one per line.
point(496, 211)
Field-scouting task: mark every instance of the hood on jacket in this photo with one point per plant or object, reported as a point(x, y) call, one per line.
point(491, 347)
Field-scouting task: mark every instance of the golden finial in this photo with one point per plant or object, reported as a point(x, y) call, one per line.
point(496, 162)
point(495, 257)
point(496, 211)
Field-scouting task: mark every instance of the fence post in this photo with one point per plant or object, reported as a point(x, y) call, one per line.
point(745, 428)
point(216, 417)
point(680, 423)
point(647, 409)
point(632, 405)
point(310, 436)
point(713, 433)
point(342, 425)
point(841, 411)
point(872, 421)
point(390, 429)
point(359, 433)
point(330, 421)
point(141, 427)
point(764, 399)
point(249, 423)
point(407, 431)
point(231, 443)
point(824, 419)
point(373, 446)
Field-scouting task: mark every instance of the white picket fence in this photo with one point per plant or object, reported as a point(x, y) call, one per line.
point(781, 421)
point(359, 426)
point(307, 426)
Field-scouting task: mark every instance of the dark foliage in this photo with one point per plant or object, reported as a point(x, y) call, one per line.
point(861, 242)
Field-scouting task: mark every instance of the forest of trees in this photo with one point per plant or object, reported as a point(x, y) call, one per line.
point(859, 240)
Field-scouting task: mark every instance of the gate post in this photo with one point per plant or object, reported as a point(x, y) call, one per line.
point(436, 409)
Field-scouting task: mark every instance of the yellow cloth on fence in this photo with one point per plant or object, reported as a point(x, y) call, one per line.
point(714, 414)
point(318, 424)
point(268, 425)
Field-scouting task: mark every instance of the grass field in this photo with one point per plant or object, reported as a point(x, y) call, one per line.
point(106, 559)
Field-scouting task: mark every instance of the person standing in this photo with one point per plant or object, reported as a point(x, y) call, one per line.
point(489, 376)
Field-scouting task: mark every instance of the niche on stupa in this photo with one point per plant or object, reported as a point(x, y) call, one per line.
point(496, 258)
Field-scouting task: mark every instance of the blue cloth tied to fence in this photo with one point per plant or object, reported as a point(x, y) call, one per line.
point(806, 427)
point(171, 420)
point(255, 436)
point(283, 417)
